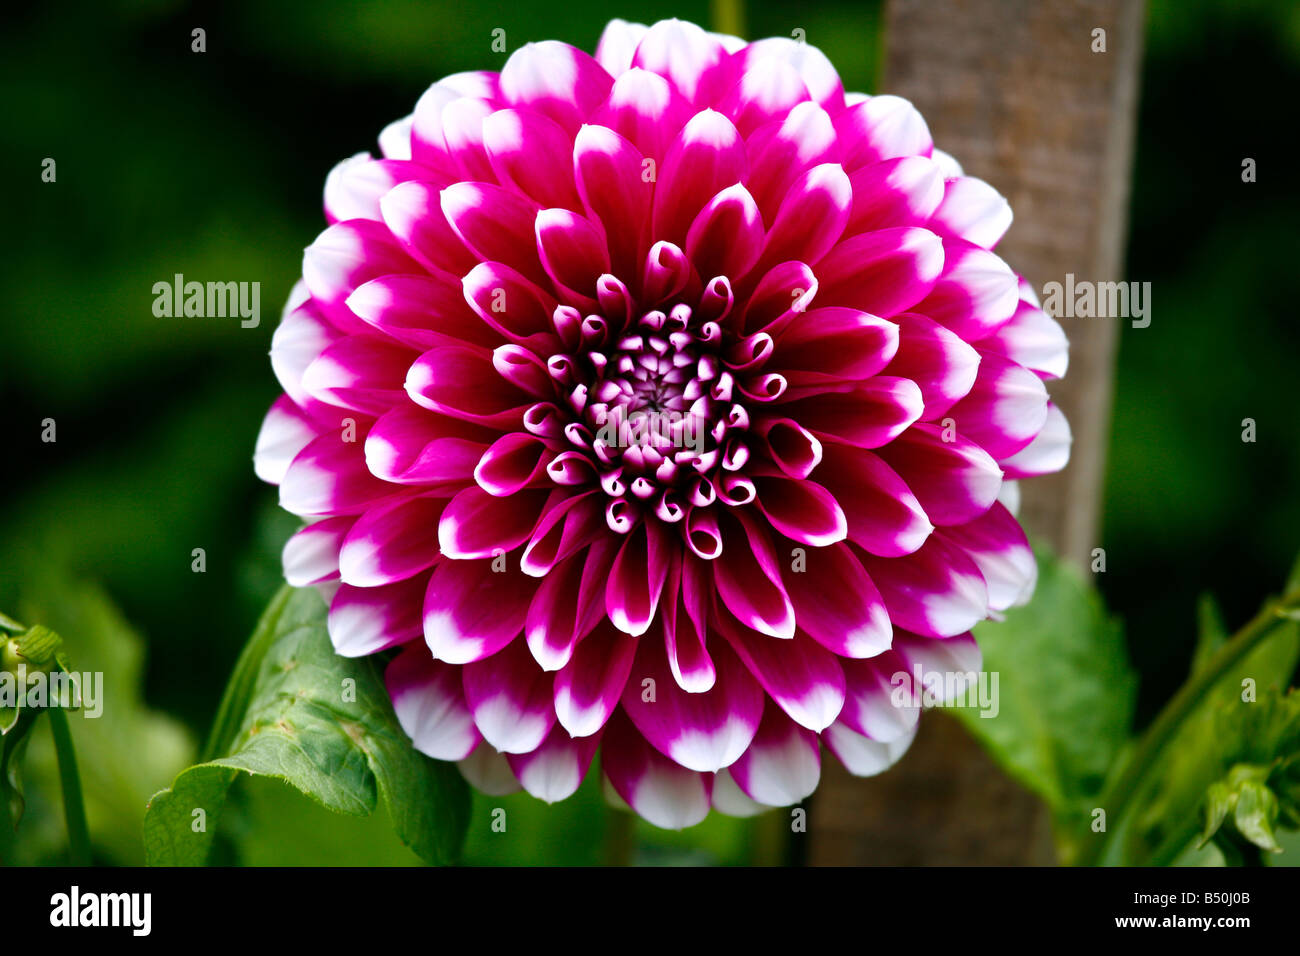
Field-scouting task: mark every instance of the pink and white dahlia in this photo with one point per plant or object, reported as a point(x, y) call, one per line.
point(660, 403)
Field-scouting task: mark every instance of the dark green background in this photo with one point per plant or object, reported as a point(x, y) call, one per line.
point(212, 165)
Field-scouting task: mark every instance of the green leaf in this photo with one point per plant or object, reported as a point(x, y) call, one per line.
point(297, 712)
point(125, 750)
point(1256, 815)
point(1065, 692)
point(1211, 633)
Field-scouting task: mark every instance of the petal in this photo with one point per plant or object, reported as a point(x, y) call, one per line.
point(660, 791)
point(488, 772)
point(364, 621)
point(472, 610)
point(782, 765)
point(998, 546)
point(462, 382)
point(495, 223)
point(573, 251)
point(972, 210)
point(1033, 339)
point(748, 579)
point(343, 257)
point(360, 373)
point(727, 236)
point(413, 213)
point(421, 311)
point(1049, 451)
point(801, 510)
point(617, 44)
point(329, 477)
point(862, 756)
point(510, 698)
point(937, 360)
point(837, 605)
point(1005, 409)
point(430, 705)
point(706, 157)
point(884, 516)
point(812, 217)
point(391, 542)
point(412, 445)
point(311, 556)
point(976, 293)
point(897, 192)
point(883, 272)
point(479, 525)
point(554, 770)
point(705, 731)
point(954, 481)
point(937, 591)
point(555, 79)
point(587, 688)
point(882, 127)
point(868, 415)
point(285, 431)
point(804, 678)
point(688, 57)
point(532, 153)
point(879, 701)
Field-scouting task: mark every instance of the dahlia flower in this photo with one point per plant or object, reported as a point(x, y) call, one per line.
point(660, 403)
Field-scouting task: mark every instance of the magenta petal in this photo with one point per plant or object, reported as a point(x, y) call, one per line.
point(472, 610)
point(855, 623)
point(812, 217)
point(329, 477)
point(556, 79)
point(954, 481)
point(997, 544)
point(881, 698)
point(496, 224)
point(573, 252)
point(803, 677)
point(897, 192)
point(285, 431)
point(663, 792)
point(803, 511)
point(782, 765)
point(365, 621)
point(1005, 408)
point(707, 157)
point(478, 525)
point(412, 445)
point(637, 578)
point(972, 210)
point(567, 606)
point(937, 591)
point(883, 272)
point(937, 360)
point(705, 731)
point(884, 516)
point(311, 556)
point(646, 110)
point(554, 770)
point(461, 382)
point(413, 212)
point(882, 127)
point(531, 152)
point(748, 579)
point(359, 373)
point(727, 236)
point(587, 688)
point(421, 311)
point(692, 60)
point(975, 294)
point(391, 542)
point(514, 461)
point(868, 415)
point(430, 704)
point(510, 698)
point(616, 191)
point(1047, 453)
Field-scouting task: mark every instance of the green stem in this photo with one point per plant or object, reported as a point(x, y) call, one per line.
point(74, 810)
point(1149, 752)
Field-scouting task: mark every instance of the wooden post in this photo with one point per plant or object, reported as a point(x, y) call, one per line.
point(1014, 90)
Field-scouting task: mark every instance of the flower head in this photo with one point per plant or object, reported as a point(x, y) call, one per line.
point(660, 402)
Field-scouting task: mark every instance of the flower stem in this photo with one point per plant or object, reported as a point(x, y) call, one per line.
point(1148, 754)
point(74, 810)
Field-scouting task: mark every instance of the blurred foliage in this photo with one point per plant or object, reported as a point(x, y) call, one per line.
point(212, 165)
